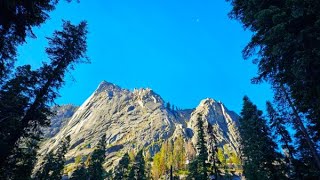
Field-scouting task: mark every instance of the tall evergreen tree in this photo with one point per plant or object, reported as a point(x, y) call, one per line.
point(199, 167)
point(66, 48)
point(15, 96)
point(277, 123)
point(258, 149)
point(213, 150)
point(286, 43)
point(16, 23)
point(96, 159)
point(53, 164)
point(80, 173)
point(121, 171)
point(137, 171)
point(23, 158)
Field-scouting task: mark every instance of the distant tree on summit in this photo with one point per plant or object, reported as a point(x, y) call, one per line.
point(168, 106)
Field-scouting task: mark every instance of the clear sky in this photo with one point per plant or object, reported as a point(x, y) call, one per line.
point(185, 50)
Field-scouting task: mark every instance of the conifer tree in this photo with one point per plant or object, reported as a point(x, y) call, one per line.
point(202, 149)
point(96, 159)
point(137, 171)
point(258, 149)
point(66, 48)
point(23, 158)
point(16, 23)
point(168, 106)
point(80, 173)
point(277, 123)
point(53, 164)
point(287, 48)
point(213, 151)
point(199, 167)
point(122, 170)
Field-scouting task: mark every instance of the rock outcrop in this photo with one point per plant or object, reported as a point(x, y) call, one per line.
point(136, 119)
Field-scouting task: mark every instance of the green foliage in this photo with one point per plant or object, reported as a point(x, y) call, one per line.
point(23, 159)
point(96, 159)
point(78, 159)
point(35, 90)
point(277, 123)
point(285, 45)
point(122, 170)
point(168, 106)
point(221, 157)
point(172, 153)
point(179, 154)
point(198, 168)
point(53, 164)
point(19, 19)
point(137, 171)
point(259, 156)
point(80, 173)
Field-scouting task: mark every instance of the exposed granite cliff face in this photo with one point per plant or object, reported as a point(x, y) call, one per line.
point(62, 115)
point(223, 122)
point(136, 119)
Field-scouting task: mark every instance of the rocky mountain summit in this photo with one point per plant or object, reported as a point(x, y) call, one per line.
point(133, 120)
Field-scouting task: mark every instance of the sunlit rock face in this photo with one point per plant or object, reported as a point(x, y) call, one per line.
point(223, 122)
point(132, 120)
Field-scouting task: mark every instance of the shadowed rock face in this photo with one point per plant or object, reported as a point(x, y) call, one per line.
point(62, 115)
point(136, 119)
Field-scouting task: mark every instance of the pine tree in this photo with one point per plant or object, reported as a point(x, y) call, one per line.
point(202, 149)
point(137, 171)
point(23, 158)
point(53, 164)
point(306, 156)
point(168, 106)
point(121, 171)
point(258, 149)
point(66, 48)
point(287, 48)
point(15, 96)
point(96, 159)
point(199, 167)
point(213, 151)
point(20, 18)
point(277, 123)
point(80, 173)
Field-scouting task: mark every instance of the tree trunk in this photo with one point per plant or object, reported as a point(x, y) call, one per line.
point(298, 120)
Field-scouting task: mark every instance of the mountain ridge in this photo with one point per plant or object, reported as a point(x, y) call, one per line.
point(138, 119)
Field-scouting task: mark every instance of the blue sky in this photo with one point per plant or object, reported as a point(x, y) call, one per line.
point(184, 50)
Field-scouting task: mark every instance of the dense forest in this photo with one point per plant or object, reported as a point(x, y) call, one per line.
point(283, 143)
